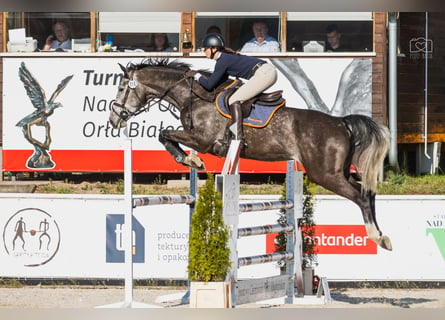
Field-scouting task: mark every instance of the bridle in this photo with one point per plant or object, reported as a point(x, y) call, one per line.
point(124, 113)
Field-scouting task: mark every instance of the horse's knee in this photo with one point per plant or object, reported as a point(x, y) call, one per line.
point(220, 149)
point(162, 136)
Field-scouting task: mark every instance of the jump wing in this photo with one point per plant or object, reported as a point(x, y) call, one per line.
point(33, 89)
point(60, 87)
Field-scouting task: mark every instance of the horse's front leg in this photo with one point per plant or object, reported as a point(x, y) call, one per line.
point(171, 140)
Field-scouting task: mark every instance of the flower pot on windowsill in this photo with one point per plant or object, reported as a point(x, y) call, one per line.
point(210, 294)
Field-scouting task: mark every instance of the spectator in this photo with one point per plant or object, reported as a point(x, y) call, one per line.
point(60, 39)
point(214, 29)
point(211, 29)
point(159, 42)
point(262, 41)
point(333, 37)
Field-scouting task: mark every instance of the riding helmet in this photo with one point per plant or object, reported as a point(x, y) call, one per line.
point(213, 40)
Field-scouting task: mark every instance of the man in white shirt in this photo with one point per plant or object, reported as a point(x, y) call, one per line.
point(60, 39)
point(261, 42)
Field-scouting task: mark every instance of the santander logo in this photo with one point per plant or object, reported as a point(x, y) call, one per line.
point(343, 239)
point(336, 239)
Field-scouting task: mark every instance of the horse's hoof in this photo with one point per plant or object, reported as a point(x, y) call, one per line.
point(385, 243)
point(194, 161)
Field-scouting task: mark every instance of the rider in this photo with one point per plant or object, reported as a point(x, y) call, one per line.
point(260, 76)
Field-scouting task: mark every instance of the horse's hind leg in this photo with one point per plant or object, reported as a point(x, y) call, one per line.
point(369, 216)
point(385, 242)
point(350, 189)
point(366, 202)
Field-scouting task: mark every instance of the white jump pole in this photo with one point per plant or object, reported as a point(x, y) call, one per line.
point(128, 221)
point(294, 193)
point(128, 230)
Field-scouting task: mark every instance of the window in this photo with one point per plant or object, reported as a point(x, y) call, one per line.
point(38, 25)
point(355, 28)
point(135, 30)
point(236, 27)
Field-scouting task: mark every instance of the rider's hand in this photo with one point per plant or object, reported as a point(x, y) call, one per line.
point(190, 73)
point(197, 76)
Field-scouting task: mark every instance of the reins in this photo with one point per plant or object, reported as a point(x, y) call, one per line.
point(191, 101)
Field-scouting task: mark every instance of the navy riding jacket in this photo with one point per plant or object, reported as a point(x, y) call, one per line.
point(235, 65)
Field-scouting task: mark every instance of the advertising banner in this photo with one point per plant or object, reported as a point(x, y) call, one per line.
point(81, 236)
point(415, 225)
point(56, 110)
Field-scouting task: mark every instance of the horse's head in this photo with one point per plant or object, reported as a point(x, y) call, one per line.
point(129, 99)
point(152, 80)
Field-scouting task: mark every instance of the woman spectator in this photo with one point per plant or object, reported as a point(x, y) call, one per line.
point(159, 42)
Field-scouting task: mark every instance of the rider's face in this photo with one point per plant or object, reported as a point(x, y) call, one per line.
point(208, 52)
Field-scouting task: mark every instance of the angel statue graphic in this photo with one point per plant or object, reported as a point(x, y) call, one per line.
point(40, 159)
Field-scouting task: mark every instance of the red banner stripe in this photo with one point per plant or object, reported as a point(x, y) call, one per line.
point(143, 161)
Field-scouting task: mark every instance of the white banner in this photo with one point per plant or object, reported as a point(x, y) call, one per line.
point(80, 128)
point(416, 227)
point(80, 236)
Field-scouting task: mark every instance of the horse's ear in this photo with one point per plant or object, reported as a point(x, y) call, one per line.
point(124, 70)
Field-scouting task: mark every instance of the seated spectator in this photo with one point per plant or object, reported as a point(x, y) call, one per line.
point(333, 37)
point(213, 29)
point(60, 39)
point(262, 41)
point(159, 42)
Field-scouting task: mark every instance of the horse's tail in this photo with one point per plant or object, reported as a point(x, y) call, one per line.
point(370, 144)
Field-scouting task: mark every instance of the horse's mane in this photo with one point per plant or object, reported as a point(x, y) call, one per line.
point(163, 63)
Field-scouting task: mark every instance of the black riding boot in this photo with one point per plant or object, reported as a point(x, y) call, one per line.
point(222, 146)
point(237, 117)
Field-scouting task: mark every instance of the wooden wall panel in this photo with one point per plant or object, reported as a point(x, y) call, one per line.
point(411, 79)
point(379, 70)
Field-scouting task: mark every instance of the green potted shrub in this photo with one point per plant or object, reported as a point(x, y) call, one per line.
point(209, 254)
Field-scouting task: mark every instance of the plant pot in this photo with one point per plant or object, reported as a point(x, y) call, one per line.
point(210, 294)
point(308, 275)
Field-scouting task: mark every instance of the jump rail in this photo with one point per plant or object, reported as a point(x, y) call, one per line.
point(265, 258)
point(266, 205)
point(271, 228)
point(169, 199)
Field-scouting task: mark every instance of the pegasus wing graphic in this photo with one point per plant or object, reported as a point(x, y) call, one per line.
point(301, 83)
point(354, 94)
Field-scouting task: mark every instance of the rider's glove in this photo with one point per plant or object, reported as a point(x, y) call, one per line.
point(197, 76)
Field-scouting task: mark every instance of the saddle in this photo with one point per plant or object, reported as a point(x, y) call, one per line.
point(257, 111)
